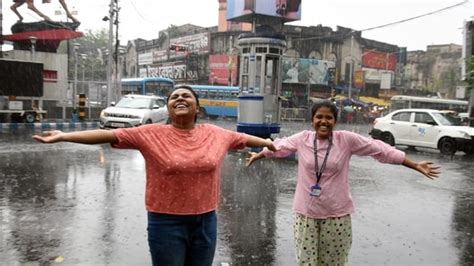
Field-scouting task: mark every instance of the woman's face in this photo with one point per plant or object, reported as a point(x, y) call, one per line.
point(323, 122)
point(182, 104)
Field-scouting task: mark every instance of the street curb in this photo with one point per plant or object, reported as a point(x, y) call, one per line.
point(12, 127)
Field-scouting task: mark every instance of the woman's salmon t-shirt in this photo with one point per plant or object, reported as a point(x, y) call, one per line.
point(182, 166)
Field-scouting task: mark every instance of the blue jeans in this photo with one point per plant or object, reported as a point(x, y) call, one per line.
point(182, 239)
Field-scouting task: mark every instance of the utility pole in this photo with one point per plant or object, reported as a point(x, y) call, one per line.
point(1, 30)
point(109, 47)
point(351, 68)
point(117, 45)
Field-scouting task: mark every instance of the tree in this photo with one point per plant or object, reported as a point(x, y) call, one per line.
point(470, 73)
point(93, 44)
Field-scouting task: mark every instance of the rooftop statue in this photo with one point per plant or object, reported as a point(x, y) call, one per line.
point(30, 4)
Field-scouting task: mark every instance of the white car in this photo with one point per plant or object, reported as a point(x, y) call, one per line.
point(424, 128)
point(134, 110)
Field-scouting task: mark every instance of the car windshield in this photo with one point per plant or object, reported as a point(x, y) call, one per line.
point(446, 119)
point(134, 103)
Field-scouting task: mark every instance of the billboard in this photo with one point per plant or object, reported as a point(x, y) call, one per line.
point(303, 70)
point(359, 79)
point(244, 10)
point(221, 67)
point(378, 76)
point(160, 55)
point(20, 78)
point(196, 44)
point(145, 59)
point(385, 80)
point(379, 60)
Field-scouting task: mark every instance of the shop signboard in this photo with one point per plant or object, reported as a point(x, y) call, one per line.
point(379, 60)
point(195, 43)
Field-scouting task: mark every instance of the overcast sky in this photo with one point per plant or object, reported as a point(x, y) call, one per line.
point(144, 18)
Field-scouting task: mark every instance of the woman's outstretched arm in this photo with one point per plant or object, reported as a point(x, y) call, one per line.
point(97, 136)
point(253, 141)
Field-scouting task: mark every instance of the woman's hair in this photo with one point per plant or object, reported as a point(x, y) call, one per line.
point(186, 87)
point(324, 103)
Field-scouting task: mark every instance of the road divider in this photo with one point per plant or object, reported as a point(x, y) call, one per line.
point(45, 126)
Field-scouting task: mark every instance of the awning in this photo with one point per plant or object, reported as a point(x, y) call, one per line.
point(344, 88)
point(373, 100)
point(343, 100)
point(47, 35)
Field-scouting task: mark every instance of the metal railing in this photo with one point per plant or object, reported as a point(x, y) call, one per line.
point(293, 114)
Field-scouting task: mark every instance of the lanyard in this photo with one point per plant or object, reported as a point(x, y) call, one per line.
point(319, 172)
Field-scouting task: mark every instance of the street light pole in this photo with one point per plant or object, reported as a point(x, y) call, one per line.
point(74, 89)
point(109, 57)
point(84, 58)
point(33, 40)
point(351, 68)
point(1, 28)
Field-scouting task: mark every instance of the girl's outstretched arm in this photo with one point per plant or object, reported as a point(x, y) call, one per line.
point(253, 156)
point(425, 167)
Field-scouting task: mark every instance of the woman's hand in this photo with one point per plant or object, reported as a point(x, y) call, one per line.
point(428, 169)
point(270, 145)
point(253, 156)
point(49, 136)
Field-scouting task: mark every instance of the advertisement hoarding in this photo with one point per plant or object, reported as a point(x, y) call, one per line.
point(385, 81)
point(160, 56)
point(21, 78)
point(243, 10)
point(358, 79)
point(220, 67)
point(379, 60)
point(304, 70)
point(145, 59)
point(376, 76)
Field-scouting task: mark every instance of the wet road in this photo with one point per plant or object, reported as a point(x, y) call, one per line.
point(83, 205)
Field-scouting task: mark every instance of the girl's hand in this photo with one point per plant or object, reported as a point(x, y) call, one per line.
point(428, 169)
point(253, 156)
point(48, 136)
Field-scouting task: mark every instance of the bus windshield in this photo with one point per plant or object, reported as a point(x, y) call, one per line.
point(145, 86)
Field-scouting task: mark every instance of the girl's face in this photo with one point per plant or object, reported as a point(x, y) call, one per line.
point(181, 104)
point(323, 122)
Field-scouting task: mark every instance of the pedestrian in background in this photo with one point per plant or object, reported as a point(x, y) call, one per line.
point(323, 202)
point(183, 165)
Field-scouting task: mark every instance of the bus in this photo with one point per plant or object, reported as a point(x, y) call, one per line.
point(217, 101)
point(402, 102)
point(144, 86)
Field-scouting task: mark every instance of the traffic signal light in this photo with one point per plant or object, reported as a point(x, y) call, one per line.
point(178, 48)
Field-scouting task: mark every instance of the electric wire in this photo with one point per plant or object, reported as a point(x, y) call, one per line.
point(343, 35)
point(138, 12)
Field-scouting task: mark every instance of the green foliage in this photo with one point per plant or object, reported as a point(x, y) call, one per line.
point(93, 45)
point(470, 73)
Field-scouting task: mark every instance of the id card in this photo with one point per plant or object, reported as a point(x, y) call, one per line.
point(315, 191)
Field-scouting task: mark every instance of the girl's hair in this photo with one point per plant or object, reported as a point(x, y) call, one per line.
point(324, 103)
point(186, 87)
